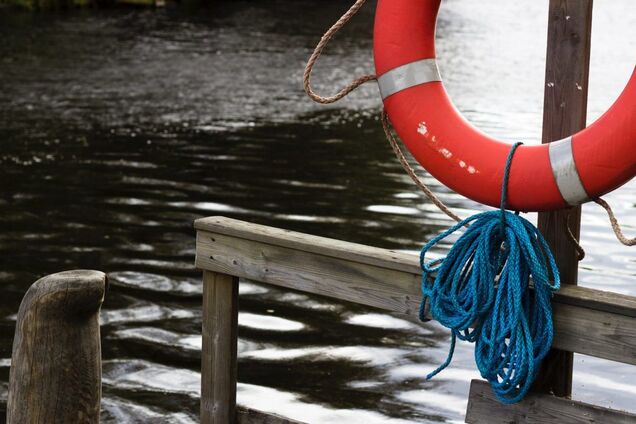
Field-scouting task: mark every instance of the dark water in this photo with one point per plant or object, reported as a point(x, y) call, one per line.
point(119, 128)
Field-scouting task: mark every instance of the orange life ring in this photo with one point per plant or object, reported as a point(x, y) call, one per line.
point(551, 176)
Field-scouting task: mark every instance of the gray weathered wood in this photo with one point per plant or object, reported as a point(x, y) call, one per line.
point(586, 321)
point(218, 357)
point(312, 272)
point(564, 113)
point(252, 416)
point(484, 408)
point(595, 333)
point(55, 374)
point(598, 300)
point(352, 252)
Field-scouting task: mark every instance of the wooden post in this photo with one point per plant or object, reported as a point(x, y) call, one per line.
point(565, 110)
point(55, 374)
point(218, 358)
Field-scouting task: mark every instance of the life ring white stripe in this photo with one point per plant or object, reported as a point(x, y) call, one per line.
point(407, 76)
point(565, 172)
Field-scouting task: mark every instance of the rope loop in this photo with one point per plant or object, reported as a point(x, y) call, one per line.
point(506, 179)
point(580, 252)
point(482, 292)
point(318, 51)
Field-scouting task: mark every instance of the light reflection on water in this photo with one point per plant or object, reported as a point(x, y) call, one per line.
point(119, 128)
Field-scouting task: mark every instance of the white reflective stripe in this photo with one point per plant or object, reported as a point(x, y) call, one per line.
point(407, 76)
point(565, 172)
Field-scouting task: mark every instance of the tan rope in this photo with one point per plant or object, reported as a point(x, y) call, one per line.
point(352, 86)
point(318, 51)
point(580, 252)
point(615, 226)
point(411, 172)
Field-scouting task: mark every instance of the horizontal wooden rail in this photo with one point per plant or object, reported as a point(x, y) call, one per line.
point(484, 408)
point(587, 321)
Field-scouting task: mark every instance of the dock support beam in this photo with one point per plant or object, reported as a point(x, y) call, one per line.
point(56, 366)
point(565, 112)
point(218, 358)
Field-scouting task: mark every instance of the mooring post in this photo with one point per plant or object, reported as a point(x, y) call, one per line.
point(56, 368)
point(218, 357)
point(565, 111)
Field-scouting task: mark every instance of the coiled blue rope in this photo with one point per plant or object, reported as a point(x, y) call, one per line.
point(482, 292)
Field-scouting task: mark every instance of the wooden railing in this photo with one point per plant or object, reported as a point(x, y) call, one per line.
point(587, 321)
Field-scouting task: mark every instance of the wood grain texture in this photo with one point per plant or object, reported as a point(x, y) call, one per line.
point(595, 333)
point(252, 416)
point(564, 113)
point(598, 300)
point(55, 374)
point(218, 356)
point(586, 321)
point(484, 408)
point(312, 272)
point(353, 252)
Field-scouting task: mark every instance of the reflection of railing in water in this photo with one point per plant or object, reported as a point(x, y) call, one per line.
point(55, 372)
point(587, 321)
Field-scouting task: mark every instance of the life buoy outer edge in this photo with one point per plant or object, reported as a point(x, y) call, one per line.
point(551, 176)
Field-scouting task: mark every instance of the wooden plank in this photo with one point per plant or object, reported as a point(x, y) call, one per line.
point(218, 356)
point(598, 300)
point(246, 415)
point(226, 233)
point(594, 333)
point(354, 252)
point(564, 113)
point(312, 272)
point(56, 365)
point(484, 408)
point(586, 321)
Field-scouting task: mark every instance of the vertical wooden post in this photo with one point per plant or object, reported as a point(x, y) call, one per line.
point(218, 358)
point(56, 366)
point(565, 111)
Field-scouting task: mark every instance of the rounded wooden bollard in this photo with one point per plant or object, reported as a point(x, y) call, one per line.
point(55, 374)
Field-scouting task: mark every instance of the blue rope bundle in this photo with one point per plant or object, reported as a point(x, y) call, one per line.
point(482, 292)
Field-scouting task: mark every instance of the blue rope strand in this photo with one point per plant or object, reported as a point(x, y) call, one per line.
point(482, 292)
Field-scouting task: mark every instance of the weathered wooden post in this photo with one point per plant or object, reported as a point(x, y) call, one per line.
point(55, 374)
point(218, 357)
point(565, 112)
